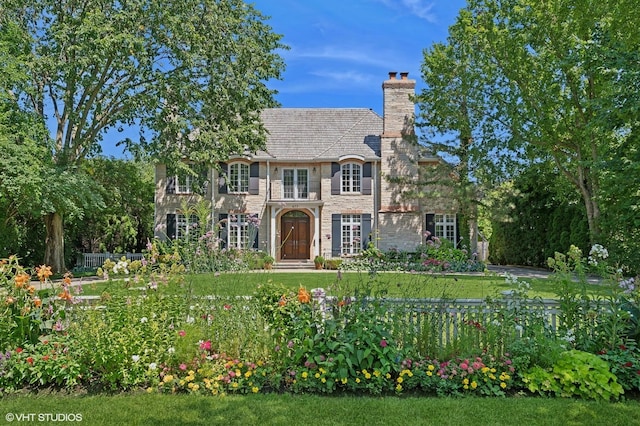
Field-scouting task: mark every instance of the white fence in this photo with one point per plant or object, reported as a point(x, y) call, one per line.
point(96, 260)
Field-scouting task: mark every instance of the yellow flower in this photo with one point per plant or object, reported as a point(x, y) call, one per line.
point(364, 372)
point(399, 380)
point(234, 385)
point(305, 374)
point(485, 369)
point(465, 387)
point(357, 379)
point(431, 367)
point(195, 387)
point(317, 375)
point(149, 390)
point(474, 385)
point(167, 378)
point(429, 373)
point(247, 374)
point(399, 388)
point(492, 377)
point(377, 374)
point(503, 385)
point(493, 370)
point(324, 380)
point(465, 382)
point(367, 376)
point(255, 389)
point(344, 380)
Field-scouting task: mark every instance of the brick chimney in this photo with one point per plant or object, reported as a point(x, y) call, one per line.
point(398, 109)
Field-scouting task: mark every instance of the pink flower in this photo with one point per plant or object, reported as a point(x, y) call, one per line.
point(182, 333)
point(227, 307)
point(464, 366)
point(383, 343)
point(183, 367)
point(205, 345)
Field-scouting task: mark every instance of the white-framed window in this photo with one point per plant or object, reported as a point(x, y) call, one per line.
point(351, 178)
point(351, 233)
point(295, 184)
point(183, 184)
point(185, 225)
point(238, 235)
point(445, 226)
point(238, 177)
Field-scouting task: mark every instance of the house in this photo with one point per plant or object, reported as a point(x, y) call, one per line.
point(320, 187)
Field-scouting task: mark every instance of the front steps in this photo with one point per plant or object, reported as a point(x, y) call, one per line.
point(296, 265)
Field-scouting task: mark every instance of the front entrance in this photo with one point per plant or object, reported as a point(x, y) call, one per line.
point(295, 236)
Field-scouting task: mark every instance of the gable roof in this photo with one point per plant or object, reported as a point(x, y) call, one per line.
point(316, 134)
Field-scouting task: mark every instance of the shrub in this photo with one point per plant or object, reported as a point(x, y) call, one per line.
point(575, 374)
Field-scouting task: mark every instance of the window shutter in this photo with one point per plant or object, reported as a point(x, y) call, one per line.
point(204, 178)
point(336, 178)
point(255, 240)
point(171, 226)
point(222, 179)
point(336, 234)
point(366, 179)
point(223, 232)
point(254, 178)
point(366, 230)
point(431, 225)
point(171, 185)
point(456, 243)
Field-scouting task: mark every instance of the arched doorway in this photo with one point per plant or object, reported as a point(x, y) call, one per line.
point(295, 236)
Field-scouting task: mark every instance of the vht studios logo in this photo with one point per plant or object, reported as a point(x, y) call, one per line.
point(43, 417)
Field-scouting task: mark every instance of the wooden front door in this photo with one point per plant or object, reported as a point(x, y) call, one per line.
point(294, 236)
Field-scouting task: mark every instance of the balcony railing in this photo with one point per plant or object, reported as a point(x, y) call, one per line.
point(309, 192)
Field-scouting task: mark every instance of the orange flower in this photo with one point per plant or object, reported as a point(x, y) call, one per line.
point(44, 272)
point(283, 300)
point(21, 280)
point(67, 279)
point(65, 295)
point(37, 302)
point(31, 289)
point(303, 295)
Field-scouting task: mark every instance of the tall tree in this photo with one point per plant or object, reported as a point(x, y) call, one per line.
point(190, 74)
point(541, 90)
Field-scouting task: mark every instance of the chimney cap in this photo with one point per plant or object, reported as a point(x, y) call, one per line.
point(392, 75)
point(404, 75)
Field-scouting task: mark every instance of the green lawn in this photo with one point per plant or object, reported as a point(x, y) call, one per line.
point(274, 409)
point(394, 284)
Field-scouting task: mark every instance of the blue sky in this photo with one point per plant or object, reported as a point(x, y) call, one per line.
point(342, 50)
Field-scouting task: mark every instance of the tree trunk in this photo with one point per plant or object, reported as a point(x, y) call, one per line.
point(54, 250)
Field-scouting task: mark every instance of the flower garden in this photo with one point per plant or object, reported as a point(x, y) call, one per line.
point(342, 340)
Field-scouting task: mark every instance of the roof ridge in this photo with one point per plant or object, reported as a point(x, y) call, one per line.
point(343, 135)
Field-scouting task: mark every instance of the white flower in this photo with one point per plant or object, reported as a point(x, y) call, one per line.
point(519, 328)
point(153, 366)
point(144, 319)
point(190, 319)
point(171, 350)
point(135, 358)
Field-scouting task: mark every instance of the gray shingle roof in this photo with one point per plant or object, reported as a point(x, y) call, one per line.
point(315, 134)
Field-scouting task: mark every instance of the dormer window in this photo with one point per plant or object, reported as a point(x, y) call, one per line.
point(351, 178)
point(238, 177)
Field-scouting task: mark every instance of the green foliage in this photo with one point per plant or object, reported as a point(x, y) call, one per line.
point(74, 83)
point(543, 218)
point(575, 374)
point(624, 361)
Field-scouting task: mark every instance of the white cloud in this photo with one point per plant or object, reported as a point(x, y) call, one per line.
point(419, 8)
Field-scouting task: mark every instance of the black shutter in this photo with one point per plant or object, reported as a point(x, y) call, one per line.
point(223, 230)
point(366, 179)
point(171, 226)
point(336, 234)
point(222, 179)
point(254, 178)
point(336, 179)
point(366, 230)
point(255, 240)
point(431, 225)
point(204, 179)
point(171, 185)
